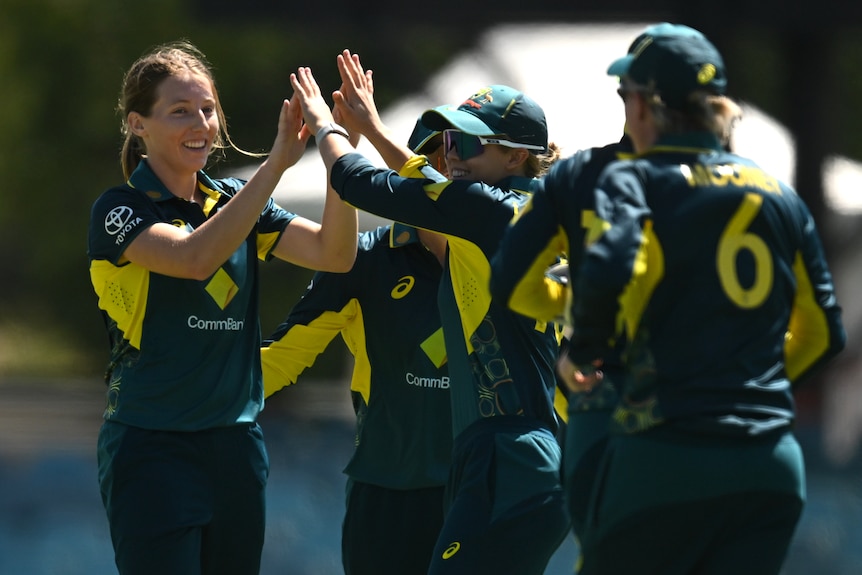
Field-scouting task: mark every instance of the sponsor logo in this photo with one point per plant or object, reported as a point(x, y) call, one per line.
point(432, 382)
point(119, 222)
point(480, 98)
point(453, 548)
point(403, 287)
point(227, 324)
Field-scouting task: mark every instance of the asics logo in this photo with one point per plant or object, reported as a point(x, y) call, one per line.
point(403, 287)
point(453, 548)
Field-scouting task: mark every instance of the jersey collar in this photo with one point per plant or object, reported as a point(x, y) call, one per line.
point(145, 180)
point(687, 142)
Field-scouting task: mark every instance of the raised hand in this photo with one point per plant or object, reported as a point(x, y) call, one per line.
point(354, 135)
point(354, 101)
point(292, 137)
point(315, 110)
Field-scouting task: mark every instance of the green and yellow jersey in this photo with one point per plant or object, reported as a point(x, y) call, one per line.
point(185, 354)
point(385, 309)
point(714, 272)
point(500, 363)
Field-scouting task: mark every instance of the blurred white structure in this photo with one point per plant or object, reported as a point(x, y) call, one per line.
point(563, 67)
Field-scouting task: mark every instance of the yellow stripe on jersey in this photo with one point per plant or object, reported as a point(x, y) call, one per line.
point(648, 271)
point(807, 337)
point(412, 169)
point(471, 276)
point(537, 296)
point(122, 292)
point(594, 226)
point(212, 198)
point(286, 358)
point(561, 405)
point(266, 243)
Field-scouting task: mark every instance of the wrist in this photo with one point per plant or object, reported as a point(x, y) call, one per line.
point(331, 128)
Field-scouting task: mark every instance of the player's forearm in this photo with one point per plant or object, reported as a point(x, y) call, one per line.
point(394, 153)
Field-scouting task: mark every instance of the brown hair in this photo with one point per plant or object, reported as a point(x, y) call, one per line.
point(139, 88)
point(538, 164)
point(703, 112)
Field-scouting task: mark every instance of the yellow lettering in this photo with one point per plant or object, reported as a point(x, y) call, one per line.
point(730, 175)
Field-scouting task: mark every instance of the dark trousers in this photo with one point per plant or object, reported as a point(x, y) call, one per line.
point(672, 503)
point(184, 503)
point(390, 530)
point(507, 512)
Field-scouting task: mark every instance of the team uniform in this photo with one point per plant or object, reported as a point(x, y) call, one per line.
point(180, 438)
point(385, 309)
point(505, 509)
point(713, 272)
point(538, 234)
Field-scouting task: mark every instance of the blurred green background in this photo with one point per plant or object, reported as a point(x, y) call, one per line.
point(61, 64)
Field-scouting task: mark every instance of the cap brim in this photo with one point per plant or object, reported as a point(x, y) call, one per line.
point(621, 66)
point(417, 146)
point(448, 118)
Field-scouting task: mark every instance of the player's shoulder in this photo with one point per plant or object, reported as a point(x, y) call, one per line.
point(370, 239)
point(118, 197)
point(589, 162)
point(229, 186)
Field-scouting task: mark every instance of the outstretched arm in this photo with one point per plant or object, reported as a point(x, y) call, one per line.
point(355, 102)
point(330, 245)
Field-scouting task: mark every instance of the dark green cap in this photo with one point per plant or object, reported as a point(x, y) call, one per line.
point(495, 110)
point(673, 60)
point(421, 135)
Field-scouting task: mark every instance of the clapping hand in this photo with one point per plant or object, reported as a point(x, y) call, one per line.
point(292, 137)
point(355, 100)
point(315, 110)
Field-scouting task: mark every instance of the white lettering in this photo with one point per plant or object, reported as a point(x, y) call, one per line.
point(432, 382)
point(121, 235)
point(228, 324)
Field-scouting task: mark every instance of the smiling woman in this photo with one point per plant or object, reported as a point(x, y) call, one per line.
point(174, 262)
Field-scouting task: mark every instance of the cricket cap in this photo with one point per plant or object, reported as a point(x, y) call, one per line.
point(402, 234)
point(674, 61)
point(421, 135)
point(495, 110)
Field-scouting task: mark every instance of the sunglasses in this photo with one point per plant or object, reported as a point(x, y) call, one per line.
point(468, 146)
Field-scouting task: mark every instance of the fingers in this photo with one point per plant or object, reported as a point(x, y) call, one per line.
point(315, 110)
point(369, 80)
point(578, 379)
point(353, 77)
point(338, 116)
point(303, 82)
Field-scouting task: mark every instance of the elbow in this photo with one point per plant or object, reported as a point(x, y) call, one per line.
point(201, 269)
point(343, 262)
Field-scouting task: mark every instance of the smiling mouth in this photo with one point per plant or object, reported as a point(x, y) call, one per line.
point(196, 145)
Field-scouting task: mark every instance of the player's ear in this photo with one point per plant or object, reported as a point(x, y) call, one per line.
point(136, 123)
point(516, 157)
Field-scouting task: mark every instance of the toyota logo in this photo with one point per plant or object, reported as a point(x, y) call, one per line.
point(117, 219)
